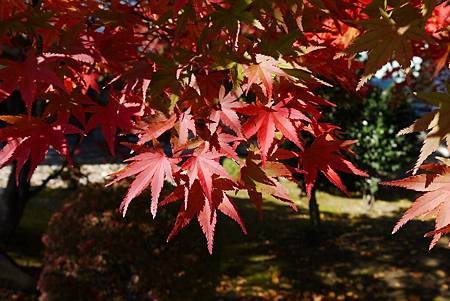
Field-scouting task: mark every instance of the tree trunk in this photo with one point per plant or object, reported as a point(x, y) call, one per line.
point(314, 212)
point(12, 205)
point(15, 196)
point(13, 199)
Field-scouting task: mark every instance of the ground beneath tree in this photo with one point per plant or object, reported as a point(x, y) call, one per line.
point(351, 256)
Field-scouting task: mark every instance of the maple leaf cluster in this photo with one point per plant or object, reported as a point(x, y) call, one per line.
point(200, 81)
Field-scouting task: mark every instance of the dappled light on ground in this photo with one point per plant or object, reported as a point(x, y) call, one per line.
point(351, 256)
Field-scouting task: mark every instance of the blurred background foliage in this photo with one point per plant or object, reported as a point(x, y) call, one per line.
point(375, 120)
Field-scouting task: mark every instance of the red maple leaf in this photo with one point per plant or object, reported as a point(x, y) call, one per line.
point(226, 112)
point(325, 155)
point(116, 114)
point(435, 183)
point(26, 76)
point(258, 181)
point(197, 205)
point(201, 166)
point(225, 144)
point(28, 138)
point(262, 72)
point(63, 107)
point(10, 7)
point(151, 168)
point(154, 128)
point(265, 119)
point(187, 123)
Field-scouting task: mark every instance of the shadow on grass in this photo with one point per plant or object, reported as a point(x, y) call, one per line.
point(282, 258)
point(347, 258)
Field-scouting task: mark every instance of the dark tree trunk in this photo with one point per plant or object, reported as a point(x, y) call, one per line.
point(13, 202)
point(314, 212)
point(15, 196)
point(12, 205)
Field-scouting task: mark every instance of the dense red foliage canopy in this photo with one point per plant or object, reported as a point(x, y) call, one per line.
point(200, 81)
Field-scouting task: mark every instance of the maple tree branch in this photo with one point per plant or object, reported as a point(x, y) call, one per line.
point(44, 183)
point(137, 14)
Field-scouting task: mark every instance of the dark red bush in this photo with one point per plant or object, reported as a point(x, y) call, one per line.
point(92, 253)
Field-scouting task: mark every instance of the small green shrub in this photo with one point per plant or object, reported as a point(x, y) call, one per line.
point(375, 121)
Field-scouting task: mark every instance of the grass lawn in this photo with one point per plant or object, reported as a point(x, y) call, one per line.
point(352, 255)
